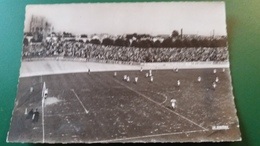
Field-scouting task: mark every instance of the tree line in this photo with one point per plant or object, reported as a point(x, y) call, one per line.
point(176, 40)
point(167, 43)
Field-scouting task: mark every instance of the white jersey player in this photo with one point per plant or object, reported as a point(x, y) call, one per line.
point(146, 75)
point(217, 80)
point(141, 69)
point(214, 85)
point(178, 83)
point(136, 79)
point(125, 77)
point(199, 78)
point(151, 78)
point(173, 101)
point(115, 73)
point(150, 73)
point(31, 89)
point(128, 79)
point(223, 70)
point(214, 71)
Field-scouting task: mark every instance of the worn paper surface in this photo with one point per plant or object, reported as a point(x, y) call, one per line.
point(125, 72)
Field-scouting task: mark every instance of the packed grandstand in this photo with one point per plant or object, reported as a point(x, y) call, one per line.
point(135, 48)
point(98, 52)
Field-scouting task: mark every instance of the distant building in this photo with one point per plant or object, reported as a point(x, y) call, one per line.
point(40, 28)
point(163, 36)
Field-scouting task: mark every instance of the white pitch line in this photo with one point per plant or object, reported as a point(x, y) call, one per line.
point(43, 129)
point(147, 136)
point(161, 105)
point(164, 97)
point(43, 134)
point(65, 114)
point(80, 101)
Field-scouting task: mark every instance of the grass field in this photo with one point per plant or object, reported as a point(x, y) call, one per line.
point(99, 107)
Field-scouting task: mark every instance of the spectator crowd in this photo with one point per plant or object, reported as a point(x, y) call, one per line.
point(99, 52)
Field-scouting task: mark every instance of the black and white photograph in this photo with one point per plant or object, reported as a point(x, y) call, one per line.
point(125, 72)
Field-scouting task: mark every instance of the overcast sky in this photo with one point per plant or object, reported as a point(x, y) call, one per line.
point(120, 18)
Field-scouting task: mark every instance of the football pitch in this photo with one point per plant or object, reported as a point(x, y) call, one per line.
point(100, 107)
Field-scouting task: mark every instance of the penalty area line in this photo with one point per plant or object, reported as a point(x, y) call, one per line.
point(86, 111)
point(161, 105)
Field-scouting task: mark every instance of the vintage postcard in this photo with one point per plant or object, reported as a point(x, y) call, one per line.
point(125, 72)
